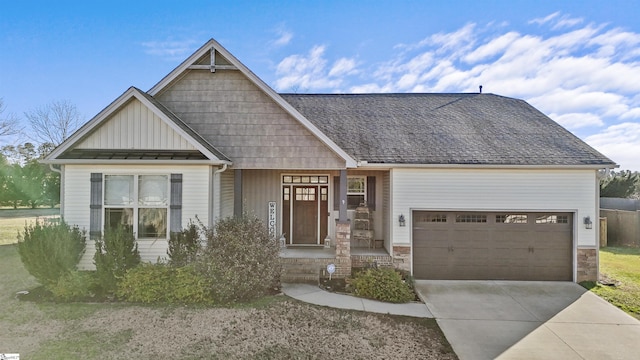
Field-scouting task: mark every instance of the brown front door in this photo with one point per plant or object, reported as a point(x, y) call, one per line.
point(305, 214)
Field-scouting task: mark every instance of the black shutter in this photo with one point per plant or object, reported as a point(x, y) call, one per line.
point(95, 207)
point(371, 192)
point(175, 224)
point(336, 193)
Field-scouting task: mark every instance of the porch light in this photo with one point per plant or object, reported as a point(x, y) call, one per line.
point(587, 223)
point(401, 220)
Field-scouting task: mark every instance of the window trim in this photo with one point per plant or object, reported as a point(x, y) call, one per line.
point(135, 205)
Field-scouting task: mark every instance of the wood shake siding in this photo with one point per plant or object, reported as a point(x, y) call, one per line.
point(494, 190)
point(135, 127)
point(244, 123)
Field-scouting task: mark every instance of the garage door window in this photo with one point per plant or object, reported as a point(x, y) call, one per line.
point(552, 219)
point(471, 218)
point(511, 218)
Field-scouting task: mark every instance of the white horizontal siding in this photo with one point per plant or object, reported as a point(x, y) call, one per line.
point(494, 189)
point(135, 127)
point(195, 199)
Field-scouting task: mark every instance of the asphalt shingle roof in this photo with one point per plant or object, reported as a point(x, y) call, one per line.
point(443, 129)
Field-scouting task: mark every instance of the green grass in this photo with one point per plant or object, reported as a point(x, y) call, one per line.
point(623, 265)
point(14, 220)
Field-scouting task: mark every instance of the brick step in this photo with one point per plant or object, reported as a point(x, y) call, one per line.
point(300, 279)
point(300, 268)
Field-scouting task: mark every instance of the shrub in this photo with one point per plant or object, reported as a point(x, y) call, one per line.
point(241, 258)
point(184, 246)
point(49, 251)
point(74, 285)
point(116, 253)
point(384, 284)
point(151, 283)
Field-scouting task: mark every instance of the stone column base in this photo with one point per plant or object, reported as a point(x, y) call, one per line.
point(402, 257)
point(587, 265)
point(343, 249)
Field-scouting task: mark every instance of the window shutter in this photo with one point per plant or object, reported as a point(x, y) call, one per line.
point(95, 207)
point(175, 224)
point(336, 193)
point(371, 192)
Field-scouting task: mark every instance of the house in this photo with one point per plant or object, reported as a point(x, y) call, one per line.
point(456, 186)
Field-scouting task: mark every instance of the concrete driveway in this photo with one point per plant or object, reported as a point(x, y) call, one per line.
point(529, 320)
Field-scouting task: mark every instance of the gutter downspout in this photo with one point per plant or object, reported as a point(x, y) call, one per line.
point(215, 195)
point(59, 171)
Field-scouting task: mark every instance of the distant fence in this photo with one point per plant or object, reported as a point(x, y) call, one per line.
point(623, 227)
point(619, 204)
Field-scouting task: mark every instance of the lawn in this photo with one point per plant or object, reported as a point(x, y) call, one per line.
point(275, 327)
point(621, 268)
point(13, 220)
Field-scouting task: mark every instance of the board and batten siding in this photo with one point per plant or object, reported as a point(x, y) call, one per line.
point(494, 190)
point(135, 127)
point(244, 123)
point(226, 194)
point(195, 200)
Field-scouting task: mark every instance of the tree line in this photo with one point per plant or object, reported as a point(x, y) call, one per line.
point(24, 181)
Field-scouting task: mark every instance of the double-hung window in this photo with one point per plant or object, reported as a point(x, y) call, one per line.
point(356, 191)
point(137, 202)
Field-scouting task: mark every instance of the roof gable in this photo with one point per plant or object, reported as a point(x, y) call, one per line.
point(134, 122)
point(214, 56)
point(444, 129)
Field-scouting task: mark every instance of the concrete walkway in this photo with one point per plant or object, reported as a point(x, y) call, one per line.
point(529, 320)
point(314, 295)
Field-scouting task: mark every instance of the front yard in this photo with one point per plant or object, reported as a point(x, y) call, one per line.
point(275, 327)
point(620, 271)
point(13, 220)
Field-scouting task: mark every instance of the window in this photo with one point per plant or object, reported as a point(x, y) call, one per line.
point(552, 219)
point(142, 208)
point(356, 191)
point(471, 218)
point(511, 218)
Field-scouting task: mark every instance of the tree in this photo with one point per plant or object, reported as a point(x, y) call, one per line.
point(621, 184)
point(55, 122)
point(8, 123)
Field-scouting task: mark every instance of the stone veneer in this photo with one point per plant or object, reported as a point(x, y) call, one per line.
point(402, 257)
point(587, 264)
point(343, 249)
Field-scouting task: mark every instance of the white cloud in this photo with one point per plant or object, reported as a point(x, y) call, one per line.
point(544, 20)
point(343, 66)
point(621, 143)
point(170, 49)
point(284, 37)
point(573, 121)
point(309, 72)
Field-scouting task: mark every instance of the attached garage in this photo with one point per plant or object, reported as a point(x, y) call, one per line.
point(492, 245)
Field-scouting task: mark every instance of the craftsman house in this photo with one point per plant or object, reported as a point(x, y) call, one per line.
point(447, 186)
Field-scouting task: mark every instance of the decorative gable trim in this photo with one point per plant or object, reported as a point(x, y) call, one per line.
point(212, 46)
point(213, 155)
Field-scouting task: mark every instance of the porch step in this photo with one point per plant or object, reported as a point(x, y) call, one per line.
point(300, 273)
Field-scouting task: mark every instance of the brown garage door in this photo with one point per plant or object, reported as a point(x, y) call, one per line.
point(492, 246)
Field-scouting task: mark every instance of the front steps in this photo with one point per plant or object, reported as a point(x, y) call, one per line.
point(309, 270)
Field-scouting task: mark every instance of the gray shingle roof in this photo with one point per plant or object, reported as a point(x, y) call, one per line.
point(443, 129)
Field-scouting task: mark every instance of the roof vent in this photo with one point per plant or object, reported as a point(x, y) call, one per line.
point(480, 89)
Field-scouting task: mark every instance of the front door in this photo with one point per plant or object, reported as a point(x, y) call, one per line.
point(305, 213)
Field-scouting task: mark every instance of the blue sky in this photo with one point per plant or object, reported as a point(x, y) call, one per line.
point(576, 61)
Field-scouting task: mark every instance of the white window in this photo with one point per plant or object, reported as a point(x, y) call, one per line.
point(138, 202)
point(356, 191)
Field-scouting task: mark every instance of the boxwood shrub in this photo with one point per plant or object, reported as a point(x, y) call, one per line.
point(384, 284)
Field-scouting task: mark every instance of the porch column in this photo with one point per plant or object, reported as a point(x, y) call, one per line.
point(343, 195)
point(343, 232)
point(237, 192)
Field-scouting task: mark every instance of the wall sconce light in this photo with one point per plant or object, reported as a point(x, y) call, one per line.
point(401, 220)
point(587, 223)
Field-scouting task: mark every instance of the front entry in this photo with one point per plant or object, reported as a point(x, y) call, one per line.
point(305, 211)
